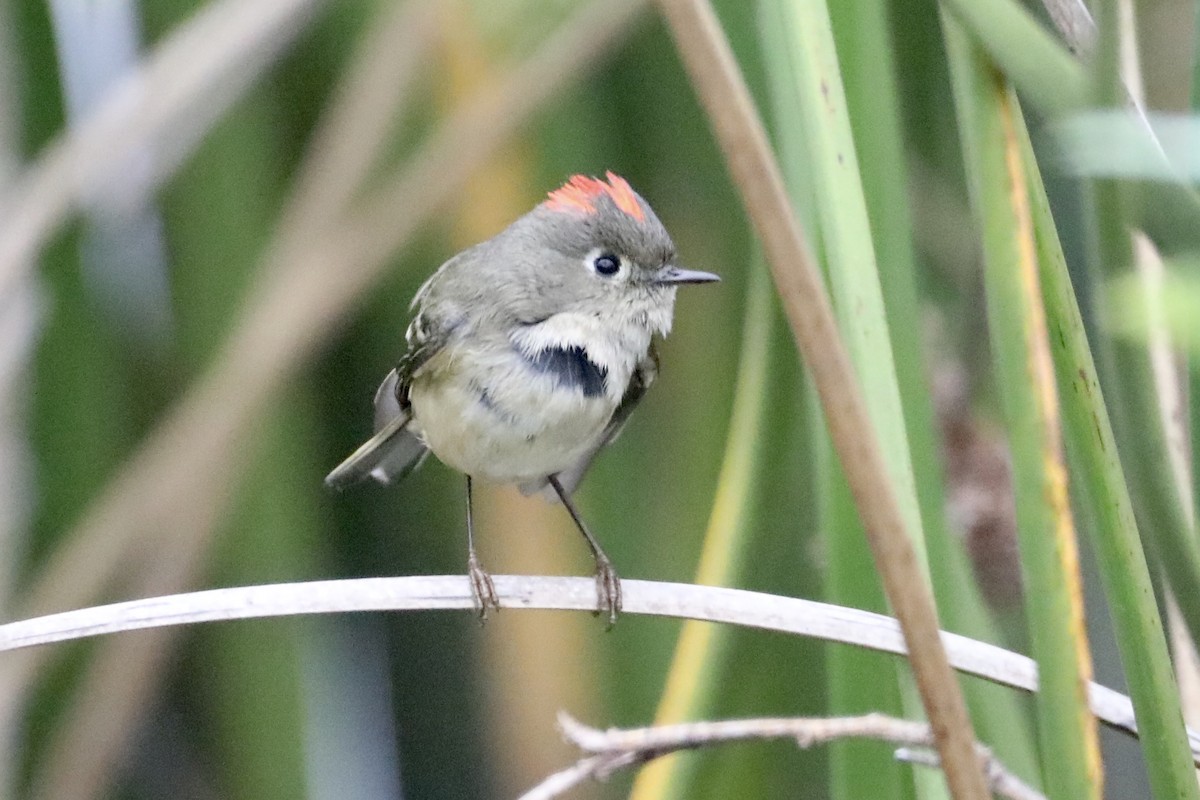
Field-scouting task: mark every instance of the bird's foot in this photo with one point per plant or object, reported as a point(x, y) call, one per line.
point(608, 589)
point(483, 591)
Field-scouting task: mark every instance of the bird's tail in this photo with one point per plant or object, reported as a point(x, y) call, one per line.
point(387, 456)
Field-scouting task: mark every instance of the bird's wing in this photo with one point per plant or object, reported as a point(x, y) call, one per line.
point(643, 375)
point(394, 451)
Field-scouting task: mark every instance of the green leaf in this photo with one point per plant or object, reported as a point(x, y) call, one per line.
point(1050, 564)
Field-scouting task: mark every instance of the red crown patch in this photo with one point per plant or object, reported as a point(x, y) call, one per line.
point(577, 194)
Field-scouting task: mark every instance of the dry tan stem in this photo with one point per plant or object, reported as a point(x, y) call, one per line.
point(719, 83)
point(615, 748)
point(790, 615)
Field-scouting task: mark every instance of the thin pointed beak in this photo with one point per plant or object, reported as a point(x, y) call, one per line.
point(676, 275)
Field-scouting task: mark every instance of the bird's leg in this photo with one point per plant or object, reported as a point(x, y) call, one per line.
point(483, 591)
point(608, 583)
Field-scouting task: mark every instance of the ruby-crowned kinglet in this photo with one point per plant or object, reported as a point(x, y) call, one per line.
point(527, 354)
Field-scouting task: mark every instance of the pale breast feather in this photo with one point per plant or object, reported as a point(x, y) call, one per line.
point(583, 351)
point(643, 376)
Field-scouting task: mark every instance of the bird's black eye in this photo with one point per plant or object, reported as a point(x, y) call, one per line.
point(607, 264)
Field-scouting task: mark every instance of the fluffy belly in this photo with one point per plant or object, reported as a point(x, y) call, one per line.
point(527, 431)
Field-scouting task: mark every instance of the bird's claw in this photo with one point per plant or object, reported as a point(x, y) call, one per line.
point(483, 591)
point(608, 590)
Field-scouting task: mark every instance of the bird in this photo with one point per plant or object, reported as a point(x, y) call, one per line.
point(526, 354)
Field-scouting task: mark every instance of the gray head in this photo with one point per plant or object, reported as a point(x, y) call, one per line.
point(592, 247)
point(592, 244)
point(587, 214)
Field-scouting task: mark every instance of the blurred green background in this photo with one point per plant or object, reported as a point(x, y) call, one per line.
point(132, 308)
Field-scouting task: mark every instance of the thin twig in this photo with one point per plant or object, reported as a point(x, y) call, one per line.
point(757, 610)
point(719, 83)
point(1003, 782)
point(617, 748)
point(590, 768)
